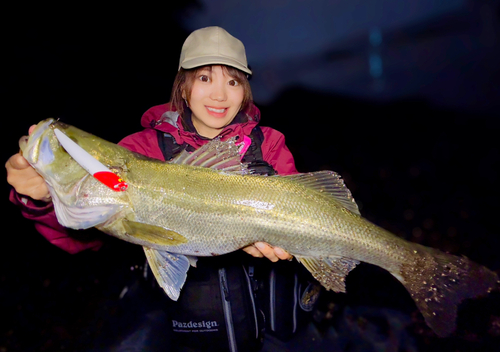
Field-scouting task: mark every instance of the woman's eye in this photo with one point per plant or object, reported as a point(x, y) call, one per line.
point(204, 78)
point(233, 83)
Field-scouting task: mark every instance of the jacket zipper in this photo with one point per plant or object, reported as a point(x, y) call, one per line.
point(272, 282)
point(226, 305)
point(296, 289)
point(251, 289)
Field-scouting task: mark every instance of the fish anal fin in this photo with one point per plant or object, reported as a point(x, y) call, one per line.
point(328, 182)
point(330, 272)
point(152, 233)
point(169, 269)
point(438, 282)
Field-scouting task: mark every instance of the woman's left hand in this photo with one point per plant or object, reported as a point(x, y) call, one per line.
point(262, 249)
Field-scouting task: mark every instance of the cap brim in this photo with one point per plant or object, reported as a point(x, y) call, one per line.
point(214, 60)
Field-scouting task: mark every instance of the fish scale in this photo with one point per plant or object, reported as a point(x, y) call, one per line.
point(179, 210)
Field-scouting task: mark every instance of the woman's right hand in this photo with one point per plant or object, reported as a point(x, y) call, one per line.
point(25, 180)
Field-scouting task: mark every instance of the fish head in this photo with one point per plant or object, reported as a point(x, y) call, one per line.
point(73, 190)
point(46, 155)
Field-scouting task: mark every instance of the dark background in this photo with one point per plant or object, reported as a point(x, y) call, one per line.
point(420, 166)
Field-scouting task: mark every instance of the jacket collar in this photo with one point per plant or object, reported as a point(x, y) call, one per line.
point(165, 118)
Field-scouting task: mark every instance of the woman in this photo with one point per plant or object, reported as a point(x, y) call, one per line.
point(211, 97)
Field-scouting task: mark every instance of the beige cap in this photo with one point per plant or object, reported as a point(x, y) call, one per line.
point(211, 46)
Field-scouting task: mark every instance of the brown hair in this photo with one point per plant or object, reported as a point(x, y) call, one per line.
point(185, 79)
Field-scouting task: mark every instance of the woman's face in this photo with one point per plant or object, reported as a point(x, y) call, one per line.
point(215, 100)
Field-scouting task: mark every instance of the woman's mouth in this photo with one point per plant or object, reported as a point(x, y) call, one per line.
point(218, 112)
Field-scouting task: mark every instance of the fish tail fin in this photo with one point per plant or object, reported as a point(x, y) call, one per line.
point(438, 282)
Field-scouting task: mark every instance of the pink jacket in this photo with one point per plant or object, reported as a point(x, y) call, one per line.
point(163, 118)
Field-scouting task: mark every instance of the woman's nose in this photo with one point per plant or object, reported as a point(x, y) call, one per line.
point(218, 93)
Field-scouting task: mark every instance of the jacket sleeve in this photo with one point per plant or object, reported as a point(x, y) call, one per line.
point(276, 153)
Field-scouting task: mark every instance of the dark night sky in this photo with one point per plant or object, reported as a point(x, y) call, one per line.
point(417, 143)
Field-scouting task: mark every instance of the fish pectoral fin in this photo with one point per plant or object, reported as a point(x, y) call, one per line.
point(152, 233)
point(169, 269)
point(330, 272)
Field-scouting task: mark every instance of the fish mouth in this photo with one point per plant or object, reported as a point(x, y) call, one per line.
point(23, 142)
point(30, 146)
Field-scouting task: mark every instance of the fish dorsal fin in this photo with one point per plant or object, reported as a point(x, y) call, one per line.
point(215, 155)
point(330, 272)
point(328, 182)
point(169, 269)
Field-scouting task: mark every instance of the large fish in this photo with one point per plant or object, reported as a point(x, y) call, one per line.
point(206, 204)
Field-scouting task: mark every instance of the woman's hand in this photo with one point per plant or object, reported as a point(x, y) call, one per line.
point(25, 179)
point(262, 249)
